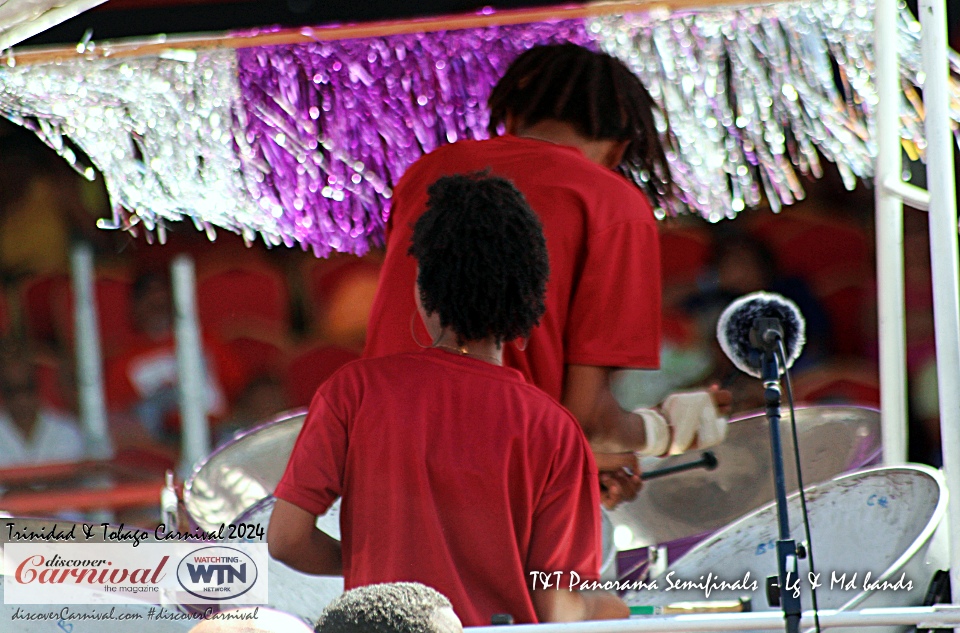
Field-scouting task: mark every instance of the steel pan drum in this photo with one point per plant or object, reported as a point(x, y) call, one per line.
point(880, 521)
point(142, 625)
point(833, 440)
point(289, 590)
point(241, 472)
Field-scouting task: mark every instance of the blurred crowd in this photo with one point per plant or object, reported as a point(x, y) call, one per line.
point(277, 322)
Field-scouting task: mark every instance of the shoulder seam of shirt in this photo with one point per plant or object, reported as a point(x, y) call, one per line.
point(621, 223)
point(330, 408)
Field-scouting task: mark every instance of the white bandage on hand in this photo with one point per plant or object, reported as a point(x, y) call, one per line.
point(656, 431)
point(693, 417)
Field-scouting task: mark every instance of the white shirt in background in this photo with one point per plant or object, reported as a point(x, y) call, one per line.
point(55, 438)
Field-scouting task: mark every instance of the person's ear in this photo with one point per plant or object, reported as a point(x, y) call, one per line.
point(614, 154)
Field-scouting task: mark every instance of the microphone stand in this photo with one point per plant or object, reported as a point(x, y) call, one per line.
point(765, 336)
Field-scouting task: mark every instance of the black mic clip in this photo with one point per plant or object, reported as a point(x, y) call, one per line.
point(766, 333)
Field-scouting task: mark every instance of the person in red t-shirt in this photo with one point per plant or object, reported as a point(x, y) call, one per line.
point(454, 471)
point(573, 119)
point(142, 380)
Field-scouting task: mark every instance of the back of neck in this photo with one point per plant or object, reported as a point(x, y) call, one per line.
point(599, 151)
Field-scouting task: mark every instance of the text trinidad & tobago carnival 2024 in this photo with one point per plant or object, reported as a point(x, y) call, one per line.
point(120, 534)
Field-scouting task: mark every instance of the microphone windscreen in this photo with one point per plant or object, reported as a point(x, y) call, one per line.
point(733, 329)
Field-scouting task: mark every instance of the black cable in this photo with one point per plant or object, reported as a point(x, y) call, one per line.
point(803, 497)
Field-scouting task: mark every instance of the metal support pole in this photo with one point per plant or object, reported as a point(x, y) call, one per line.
point(191, 375)
point(891, 313)
point(944, 258)
point(93, 409)
point(911, 194)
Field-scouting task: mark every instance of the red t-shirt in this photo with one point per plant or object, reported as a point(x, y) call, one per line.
point(603, 296)
point(148, 366)
point(455, 473)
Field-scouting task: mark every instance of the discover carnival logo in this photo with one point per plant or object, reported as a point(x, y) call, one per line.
point(113, 573)
point(217, 573)
point(57, 570)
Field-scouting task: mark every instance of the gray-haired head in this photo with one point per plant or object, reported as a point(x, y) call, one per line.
point(400, 607)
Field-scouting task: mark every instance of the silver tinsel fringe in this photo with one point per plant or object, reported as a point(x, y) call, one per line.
point(753, 97)
point(163, 131)
point(752, 94)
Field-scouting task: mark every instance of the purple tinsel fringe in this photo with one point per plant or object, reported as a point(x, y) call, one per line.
point(331, 126)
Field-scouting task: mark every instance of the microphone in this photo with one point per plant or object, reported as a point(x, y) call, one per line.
point(753, 323)
point(750, 331)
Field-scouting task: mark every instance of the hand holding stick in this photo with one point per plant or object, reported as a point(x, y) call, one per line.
point(707, 460)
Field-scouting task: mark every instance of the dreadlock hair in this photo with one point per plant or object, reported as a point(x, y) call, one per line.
point(399, 607)
point(482, 257)
point(597, 94)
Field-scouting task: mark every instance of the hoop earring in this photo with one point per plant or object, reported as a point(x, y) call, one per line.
point(413, 332)
point(521, 344)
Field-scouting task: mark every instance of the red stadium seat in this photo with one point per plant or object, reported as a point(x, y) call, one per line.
point(113, 296)
point(47, 304)
point(253, 294)
point(310, 367)
point(260, 351)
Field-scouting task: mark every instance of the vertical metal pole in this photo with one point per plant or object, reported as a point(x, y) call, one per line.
point(891, 313)
point(93, 410)
point(191, 376)
point(944, 258)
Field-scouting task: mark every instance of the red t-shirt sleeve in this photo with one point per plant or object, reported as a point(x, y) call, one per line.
point(614, 317)
point(566, 523)
point(314, 476)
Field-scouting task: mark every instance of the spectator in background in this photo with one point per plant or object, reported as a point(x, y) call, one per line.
point(44, 204)
point(142, 381)
point(34, 230)
point(400, 607)
point(742, 264)
point(29, 433)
